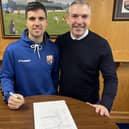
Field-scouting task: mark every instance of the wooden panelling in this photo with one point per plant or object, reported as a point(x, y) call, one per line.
point(120, 109)
point(116, 32)
point(120, 116)
point(3, 42)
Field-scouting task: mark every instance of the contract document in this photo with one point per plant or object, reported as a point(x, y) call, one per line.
point(52, 115)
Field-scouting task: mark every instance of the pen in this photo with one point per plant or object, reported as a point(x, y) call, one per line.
point(12, 94)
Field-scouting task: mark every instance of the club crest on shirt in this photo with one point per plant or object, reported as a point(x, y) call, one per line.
point(49, 59)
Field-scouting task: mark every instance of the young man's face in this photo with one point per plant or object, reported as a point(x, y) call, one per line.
point(36, 23)
point(78, 19)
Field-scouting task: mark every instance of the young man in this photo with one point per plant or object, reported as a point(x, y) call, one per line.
point(83, 54)
point(30, 65)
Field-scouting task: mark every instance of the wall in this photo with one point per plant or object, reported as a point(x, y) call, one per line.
point(120, 109)
point(3, 42)
point(116, 33)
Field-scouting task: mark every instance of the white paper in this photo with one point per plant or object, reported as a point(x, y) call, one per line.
point(53, 115)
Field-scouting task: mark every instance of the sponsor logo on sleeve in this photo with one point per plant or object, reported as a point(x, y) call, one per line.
point(24, 61)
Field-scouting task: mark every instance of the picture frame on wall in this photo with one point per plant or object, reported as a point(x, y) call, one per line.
point(121, 10)
point(13, 17)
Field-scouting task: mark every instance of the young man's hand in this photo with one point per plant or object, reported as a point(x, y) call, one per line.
point(15, 101)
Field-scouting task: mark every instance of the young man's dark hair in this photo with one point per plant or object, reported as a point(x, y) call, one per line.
point(34, 6)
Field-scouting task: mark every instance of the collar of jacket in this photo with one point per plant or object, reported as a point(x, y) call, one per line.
point(25, 38)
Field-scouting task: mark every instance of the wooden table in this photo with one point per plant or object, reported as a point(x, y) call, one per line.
point(83, 114)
